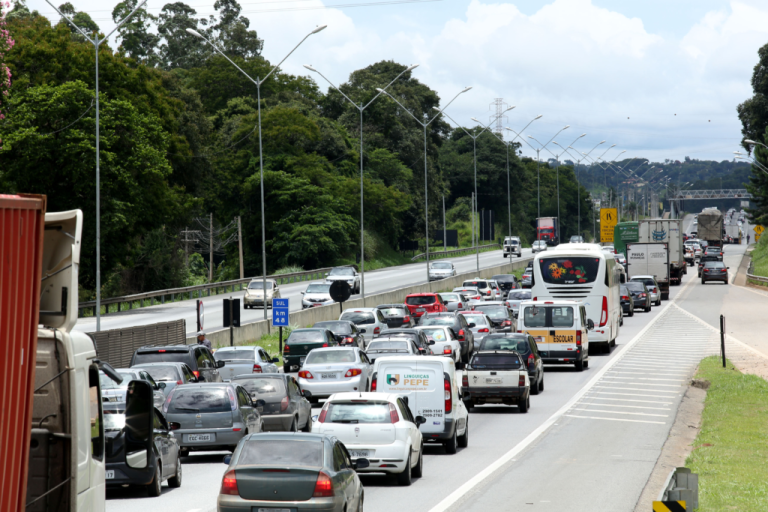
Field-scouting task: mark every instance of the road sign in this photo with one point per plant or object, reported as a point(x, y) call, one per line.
point(339, 291)
point(759, 229)
point(280, 312)
point(745, 204)
point(609, 217)
point(669, 506)
point(757, 238)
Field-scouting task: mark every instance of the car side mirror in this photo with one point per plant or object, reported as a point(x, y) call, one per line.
point(361, 464)
point(314, 418)
point(275, 359)
point(420, 420)
point(260, 403)
point(220, 364)
point(590, 324)
point(431, 342)
point(362, 330)
point(161, 385)
point(622, 278)
point(727, 268)
point(227, 459)
point(422, 349)
point(302, 293)
point(472, 324)
point(139, 423)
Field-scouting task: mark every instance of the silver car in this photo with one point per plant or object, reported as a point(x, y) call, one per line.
point(653, 288)
point(441, 270)
point(212, 416)
point(538, 246)
point(316, 294)
point(514, 299)
point(480, 325)
point(334, 370)
point(254, 294)
point(244, 360)
point(489, 289)
point(370, 321)
point(171, 374)
point(469, 292)
point(454, 301)
point(111, 391)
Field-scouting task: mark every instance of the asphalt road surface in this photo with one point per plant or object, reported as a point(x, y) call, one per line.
point(589, 441)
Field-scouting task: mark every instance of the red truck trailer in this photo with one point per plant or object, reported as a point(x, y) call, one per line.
point(547, 229)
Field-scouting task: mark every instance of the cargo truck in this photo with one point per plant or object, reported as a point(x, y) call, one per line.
point(548, 229)
point(623, 233)
point(650, 260)
point(710, 226)
point(669, 231)
point(54, 448)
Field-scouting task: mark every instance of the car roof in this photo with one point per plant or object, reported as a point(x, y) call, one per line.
point(246, 376)
point(243, 348)
point(166, 363)
point(168, 348)
point(289, 436)
point(259, 279)
point(305, 329)
point(423, 294)
point(494, 351)
point(385, 306)
point(331, 349)
point(384, 397)
point(321, 324)
point(643, 277)
point(492, 303)
point(553, 302)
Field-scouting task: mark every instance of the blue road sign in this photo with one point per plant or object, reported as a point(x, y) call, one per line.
point(280, 312)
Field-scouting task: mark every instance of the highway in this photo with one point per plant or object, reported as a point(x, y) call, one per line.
point(589, 441)
point(376, 281)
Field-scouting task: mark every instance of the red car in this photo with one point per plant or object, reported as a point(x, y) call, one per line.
point(420, 303)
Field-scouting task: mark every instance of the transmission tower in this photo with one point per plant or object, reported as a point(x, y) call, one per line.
point(499, 105)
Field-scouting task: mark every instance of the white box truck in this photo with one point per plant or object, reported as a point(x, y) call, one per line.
point(669, 231)
point(650, 260)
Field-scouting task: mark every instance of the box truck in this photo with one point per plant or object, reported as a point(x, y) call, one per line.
point(669, 231)
point(711, 226)
point(650, 260)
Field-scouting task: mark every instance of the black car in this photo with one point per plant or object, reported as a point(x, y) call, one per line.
point(301, 342)
point(501, 318)
point(641, 297)
point(197, 357)
point(396, 315)
point(140, 448)
point(460, 326)
point(714, 271)
point(704, 259)
point(715, 251)
point(285, 408)
point(346, 332)
point(415, 335)
point(525, 345)
point(627, 304)
point(506, 283)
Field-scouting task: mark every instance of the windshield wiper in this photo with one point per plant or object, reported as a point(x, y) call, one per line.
point(186, 409)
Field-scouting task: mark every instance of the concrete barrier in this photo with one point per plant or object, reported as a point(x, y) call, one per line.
point(308, 317)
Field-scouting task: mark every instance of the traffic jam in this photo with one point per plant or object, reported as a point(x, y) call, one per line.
point(383, 387)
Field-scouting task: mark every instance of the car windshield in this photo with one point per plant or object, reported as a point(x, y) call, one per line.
point(330, 356)
point(230, 354)
point(494, 312)
point(394, 311)
point(519, 296)
point(282, 453)
point(363, 411)
point(358, 317)
point(107, 383)
point(511, 242)
point(450, 297)
point(258, 285)
point(436, 334)
point(480, 285)
point(341, 272)
point(335, 327)
point(318, 288)
point(191, 399)
point(496, 361)
point(388, 345)
point(569, 270)
point(420, 300)
point(312, 336)
point(169, 356)
point(263, 387)
point(441, 266)
point(113, 421)
point(504, 343)
point(163, 373)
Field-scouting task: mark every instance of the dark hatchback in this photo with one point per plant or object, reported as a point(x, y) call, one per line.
point(460, 326)
point(285, 408)
point(396, 315)
point(506, 282)
point(415, 335)
point(715, 251)
point(525, 345)
point(300, 342)
point(641, 297)
point(197, 357)
point(627, 304)
point(714, 271)
point(346, 332)
point(704, 259)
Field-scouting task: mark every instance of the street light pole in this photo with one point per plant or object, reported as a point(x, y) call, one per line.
point(361, 108)
point(257, 82)
point(96, 42)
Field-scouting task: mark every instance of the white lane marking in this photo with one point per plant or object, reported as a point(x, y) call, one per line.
point(630, 394)
point(638, 389)
point(663, 359)
point(623, 412)
point(656, 369)
point(630, 400)
point(646, 373)
point(643, 364)
point(492, 468)
point(628, 406)
point(615, 419)
point(641, 384)
point(641, 378)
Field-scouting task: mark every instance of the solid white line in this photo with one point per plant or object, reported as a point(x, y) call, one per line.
point(495, 466)
point(622, 412)
point(630, 400)
point(629, 406)
point(615, 419)
point(637, 389)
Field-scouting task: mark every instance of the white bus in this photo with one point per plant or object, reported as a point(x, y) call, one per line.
point(584, 273)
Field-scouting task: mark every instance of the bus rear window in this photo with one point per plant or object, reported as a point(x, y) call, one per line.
point(565, 270)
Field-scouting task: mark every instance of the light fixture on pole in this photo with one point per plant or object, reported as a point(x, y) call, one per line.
point(96, 42)
point(538, 174)
point(426, 195)
point(257, 82)
point(361, 108)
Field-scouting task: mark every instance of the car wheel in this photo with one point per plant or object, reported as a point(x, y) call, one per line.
point(648, 309)
point(523, 406)
point(308, 425)
point(155, 487)
point(183, 452)
point(535, 388)
point(469, 404)
point(586, 365)
point(418, 469)
point(175, 480)
point(621, 323)
point(450, 445)
point(541, 383)
point(404, 478)
point(294, 426)
point(579, 365)
point(463, 440)
point(360, 503)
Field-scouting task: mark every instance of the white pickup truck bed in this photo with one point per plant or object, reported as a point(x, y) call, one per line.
point(496, 377)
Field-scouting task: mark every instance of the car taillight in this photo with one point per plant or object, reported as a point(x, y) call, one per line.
point(448, 351)
point(353, 372)
point(305, 374)
point(642, 295)
point(465, 381)
point(196, 373)
point(325, 345)
point(173, 425)
point(484, 329)
point(377, 330)
point(256, 369)
point(349, 339)
point(373, 384)
point(507, 323)
point(229, 484)
point(179, 383)
point(323, 412)
point(624, 297)
point(284, 403)
point(604, 314)
point(393, 416)
point(654, 290)
point(706, 270)
point(286, 349)
point(323, 486)
point(461, 334)
point(460, 305)
point(535, 298)
point(406, 319)
point(448, 397)
point(521, 381)
point(531, 360)
point(578, 338)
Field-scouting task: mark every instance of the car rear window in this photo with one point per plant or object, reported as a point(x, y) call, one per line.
point(450, 297)
point(494, 312)
point(480, 285)
point(504, 278)
point(388, 345)
point(637, 287)
point(358, 317)
point(306, 336)
point(358, 412)
point(285, 452)
point(209, 400)
point(476, 319)
point(420, 300)
point(394, 312)
point(335, 327)
point(568, 270)
point(330, 357)
point(439, 320)
point(548, 316)
point(107, 383)
point(496, 361)
point(491, 343)
point(164, 357)
point(228, 354)
point(436, 334)
point(519, 296)
point(163, 373)
point(714, 264)
point(263, 387)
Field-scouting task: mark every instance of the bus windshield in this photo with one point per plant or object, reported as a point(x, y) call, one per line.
point(569, 270)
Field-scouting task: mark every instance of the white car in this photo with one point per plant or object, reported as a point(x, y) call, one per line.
point(370, 321)
point(316, 294)
point(334, 370)
point(538, 246)
point(379, 427)
point(347, 274)
point(446, 342)
point(488, 288)
point(441, 270)
point(470, 292)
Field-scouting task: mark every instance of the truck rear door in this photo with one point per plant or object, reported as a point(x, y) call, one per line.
point(423, 383)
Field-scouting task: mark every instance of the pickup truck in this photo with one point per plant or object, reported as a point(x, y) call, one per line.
point(496, 377)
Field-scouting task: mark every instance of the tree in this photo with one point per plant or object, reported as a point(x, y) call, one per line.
point(180, 49)
point(753, 113)
point(136, 39)
point(81, 19)
point(6, 43)
point(232, 34)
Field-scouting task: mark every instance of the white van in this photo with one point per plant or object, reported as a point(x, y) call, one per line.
point(432, 390)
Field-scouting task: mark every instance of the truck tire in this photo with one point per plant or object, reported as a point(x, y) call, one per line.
point(579, 365)
point(505, 255)
point(463, 440)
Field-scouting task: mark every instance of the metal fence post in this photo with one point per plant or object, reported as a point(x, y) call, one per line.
point(722, 338)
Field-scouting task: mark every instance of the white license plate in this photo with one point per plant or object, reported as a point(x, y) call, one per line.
point(327, 375)
point(273, 509)
point(192, 438)
point(110, 474)
point(493, 381)
point(360, 453)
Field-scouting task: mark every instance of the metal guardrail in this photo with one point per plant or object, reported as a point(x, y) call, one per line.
point(198, 291)
point(759, 279)
point(455, 251)
point(117, 346)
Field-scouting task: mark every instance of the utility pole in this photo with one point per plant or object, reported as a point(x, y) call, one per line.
point(240, 245)
point(445, 232)
point(210, 265)
point(472, 210)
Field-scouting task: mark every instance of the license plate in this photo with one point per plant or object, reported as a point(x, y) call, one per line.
point(420, 310)
point(110, 474)
point(493, 381)
point(273, 509)
point(360, 453)
point(327, 375)
point(192, 438)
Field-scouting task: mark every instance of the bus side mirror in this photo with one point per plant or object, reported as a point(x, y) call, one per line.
point(590, 324)
point(623, 279)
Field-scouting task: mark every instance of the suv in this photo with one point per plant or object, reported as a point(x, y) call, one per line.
point(197, 357)
point(420, 303)
point(396, 315)
point(512, 246)
point(506, 282)
point(489, 289)
point(460, 326)
point(524, 345)
point(370, 321)
point(715, 251)
point(575, 239)
point(347, 274)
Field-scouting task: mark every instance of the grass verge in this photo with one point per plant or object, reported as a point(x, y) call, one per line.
point(760, 258)
point(729, 453)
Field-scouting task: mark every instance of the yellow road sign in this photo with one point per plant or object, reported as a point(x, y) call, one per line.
point(669, 506)
point(759, 229)
point(609, 217)
point(757, 238)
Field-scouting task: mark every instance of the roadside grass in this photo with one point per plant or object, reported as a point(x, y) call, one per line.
point(731, 451)
point(760, 258)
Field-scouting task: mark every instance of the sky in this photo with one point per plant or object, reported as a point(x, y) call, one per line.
point(660, 79)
